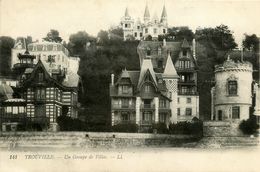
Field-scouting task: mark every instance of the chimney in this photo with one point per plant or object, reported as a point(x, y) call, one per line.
point(194, 48)
point(112, 79)
point(164, 42)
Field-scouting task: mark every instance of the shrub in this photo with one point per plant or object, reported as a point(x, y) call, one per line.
point(68, 124)
point(194, 127)
point(248, 126)
point(128, 128)
point(161, 128)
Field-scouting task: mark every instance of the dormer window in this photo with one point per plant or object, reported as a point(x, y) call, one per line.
point(148, 52)
point(40, 77)
point(159, 51)
point(125, 89)
point(147, 88)
point(232, 88)
point(184, 52)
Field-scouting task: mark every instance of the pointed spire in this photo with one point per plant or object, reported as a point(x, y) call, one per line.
point(146, 12)
point(127, 12)
point(164, 13)
point(169, 70)
point(185, 43)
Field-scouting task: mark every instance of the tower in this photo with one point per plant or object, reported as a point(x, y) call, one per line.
point(170, 77)
point(164, 17)
point(127, 24)
point(146, 15)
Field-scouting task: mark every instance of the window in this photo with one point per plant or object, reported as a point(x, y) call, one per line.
point(235, 112)
point(188, 111)
point(125, 116)
point(188, 100)
point(164, 31)
point(138, 27)
point(135, 34)
point(141, 34)
point(154, 30)
point(15, 110)
point(125, 89)
point(184, 52)
point(232, 87)
point(178, 111)
point(40, 76)
point(146, 30)
point(40, 93)
point(21, 109)
point(162, 117)
point(160, 64)
point(147, 116)
point(162, 103)
point(148, 52)
point(159, 51)
point(178, 100)
point(125, 25)
point(187, 64)
point(125, 103)
point(147, 88)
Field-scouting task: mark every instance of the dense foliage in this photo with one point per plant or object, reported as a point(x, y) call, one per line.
point(248, 126)
point(127, 128)
point(6, 44)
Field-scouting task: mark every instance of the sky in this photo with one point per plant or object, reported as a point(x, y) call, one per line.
point(37, 17)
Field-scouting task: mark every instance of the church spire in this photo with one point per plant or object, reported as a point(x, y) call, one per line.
point(146, 13)
point(127, 12)
point(164, 15)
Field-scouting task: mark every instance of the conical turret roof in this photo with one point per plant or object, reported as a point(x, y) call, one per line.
point(169, 70)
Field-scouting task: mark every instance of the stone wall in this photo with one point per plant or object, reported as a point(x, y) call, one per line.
point(20, 140)
point(221, 128)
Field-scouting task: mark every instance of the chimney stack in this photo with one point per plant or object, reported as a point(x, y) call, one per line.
point(194, 48)
point(112, 79)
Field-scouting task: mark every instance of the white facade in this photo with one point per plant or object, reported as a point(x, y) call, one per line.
point(232, 94)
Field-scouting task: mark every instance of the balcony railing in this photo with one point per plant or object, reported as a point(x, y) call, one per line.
point(124, 122)
point(147, 106)
point(185, 69)
point(146, 122)
point(122, 106)
point(186, 81)
point(24, 65)
point(187, 93)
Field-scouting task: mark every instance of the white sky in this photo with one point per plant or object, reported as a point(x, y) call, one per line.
point(37, 17)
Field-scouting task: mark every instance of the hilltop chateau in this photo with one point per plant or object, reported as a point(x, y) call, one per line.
point(44, 85)
point(149, 27)
point(163, 91)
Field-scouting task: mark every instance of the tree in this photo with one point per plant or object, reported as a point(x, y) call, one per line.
point(53, 36)
point(102, 37)
point(149, 38)
point(6, 44)
point(80, 42)
point(251, 42)
point(220, 37)
point(179, 33)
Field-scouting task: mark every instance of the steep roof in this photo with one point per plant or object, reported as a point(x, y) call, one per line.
point(127, 12)
point(164, 13)
point(6, 91)
point(185, 43)
point(146, 68)
point(170, 70)
point(146, 12)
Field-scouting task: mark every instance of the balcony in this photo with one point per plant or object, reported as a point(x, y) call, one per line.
point(183, 69)
point(146, 122)
point(187, 92)
point(122, 106)
point(23, 65)
point(186, 82)
point(124, 122)
point(165, 108)
point(147, 106)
